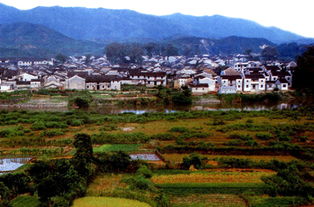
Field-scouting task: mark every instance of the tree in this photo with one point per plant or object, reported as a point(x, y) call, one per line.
point(304, 73)
point(115, 53)
point(170, 50)
point(196, 160)
point(4, 191)
point(61, 58)
point(269, 53)
point(183, 97)
point(248, 53)
point(83, 156)
point(81, 103)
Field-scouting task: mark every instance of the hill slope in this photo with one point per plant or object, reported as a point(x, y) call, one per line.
point(26, 39)
point(126, 25)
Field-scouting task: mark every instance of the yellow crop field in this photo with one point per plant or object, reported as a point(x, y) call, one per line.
point(105, 184)
point(107, 202)
point(212, 177)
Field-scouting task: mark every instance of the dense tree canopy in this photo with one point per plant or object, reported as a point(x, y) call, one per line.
point(304, 73)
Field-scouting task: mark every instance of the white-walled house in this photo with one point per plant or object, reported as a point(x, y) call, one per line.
point(209, 81)
point(282, 84)
point(199, 89)
point(26, 77)
point(76, 82)
point(254, 83)
point(235, 81)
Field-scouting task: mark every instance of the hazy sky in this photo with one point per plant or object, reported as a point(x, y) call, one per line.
point(293, 15)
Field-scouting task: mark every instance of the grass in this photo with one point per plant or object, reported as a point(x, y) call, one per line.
point(107, 202)
point(25, 201)
point(105, 184)
point(211, 188)
point(266, 201)
point(208, 200)
point(212, 177)
point(116, 147)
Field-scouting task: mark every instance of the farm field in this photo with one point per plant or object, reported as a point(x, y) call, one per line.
point(212, 177)
point(107, 202)
point(206, 158)
point(208, 200)
point(177, 158)
point(116, 147)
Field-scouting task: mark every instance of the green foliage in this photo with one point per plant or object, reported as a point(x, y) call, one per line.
point(109, 127)
point(116, 147)
point(162, 200)
point(121, 138)
point(198, 161)
point(115, 162)
point(144, 171)
point(52, 132)
point(211, 188)
point(303, 73)
point(38, 125)
point(264, 136)
point(289, 182)
point(84, 154)
point(258, 201)
point(179, 129)
point(140, 183)
point(4, 191)
point(57, 178)
point(163, 136)
point(25, 201)
point(17, 183)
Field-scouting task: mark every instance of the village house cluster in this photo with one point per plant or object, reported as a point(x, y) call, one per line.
point(202, 74)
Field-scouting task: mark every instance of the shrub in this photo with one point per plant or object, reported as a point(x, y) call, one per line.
point(163, 136)
point(144, 171)
point(109, 127)
point(52, 133)
point(264, 136)
point(198, 161)
point(244, 137)
point(38, 125)
point(179, 129)
point(140, 183)
point(76, 122)
point(54, 124)
point(217, 122)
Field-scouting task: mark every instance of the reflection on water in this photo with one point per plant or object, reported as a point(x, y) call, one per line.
point(113, 109)
point(205, 105)
point(11, 164)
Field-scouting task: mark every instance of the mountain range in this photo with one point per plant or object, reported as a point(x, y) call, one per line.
point(126, 25)
point(75, 30)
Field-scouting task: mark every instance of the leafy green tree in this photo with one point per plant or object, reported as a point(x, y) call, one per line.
point(17, 182)
point(83, 156)
point(4, 191)
point(183, 97)
point(61, 58)
point(115, 162)
point(302, 77)
point(81, 103)
point(144, 171)
point(288, 182)
point(269, 53)
point(196, 160)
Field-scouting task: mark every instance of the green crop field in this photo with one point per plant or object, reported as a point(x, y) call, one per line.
point(116, 147)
